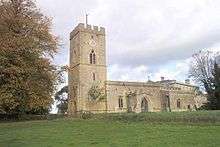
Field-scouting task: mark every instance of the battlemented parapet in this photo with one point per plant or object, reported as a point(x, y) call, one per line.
point(87, 28)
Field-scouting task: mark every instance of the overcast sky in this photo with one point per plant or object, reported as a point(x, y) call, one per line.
point(145, 37)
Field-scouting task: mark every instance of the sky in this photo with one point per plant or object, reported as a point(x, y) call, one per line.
point(145, 39)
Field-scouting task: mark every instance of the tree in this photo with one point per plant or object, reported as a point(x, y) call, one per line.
point(201, 71)
point(27, 46)
point(62, 99)
point(216, 74)
point(96, 92)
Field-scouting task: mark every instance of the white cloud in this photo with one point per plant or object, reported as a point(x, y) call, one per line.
point(215, 48)
point(152, 32)
point(178, 70)
point(144, 36)
point(123, 73)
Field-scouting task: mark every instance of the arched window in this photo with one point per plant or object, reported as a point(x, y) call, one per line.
point(144, 105)
point(178, 103)
point(120, 102)
point(92, 57)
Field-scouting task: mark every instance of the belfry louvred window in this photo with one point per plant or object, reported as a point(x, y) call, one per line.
point(92, 57)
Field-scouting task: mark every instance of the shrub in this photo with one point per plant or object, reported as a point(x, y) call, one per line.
point(86, 115)
point(163, 117)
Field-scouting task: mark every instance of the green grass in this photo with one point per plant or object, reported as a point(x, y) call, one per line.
point(108, 132)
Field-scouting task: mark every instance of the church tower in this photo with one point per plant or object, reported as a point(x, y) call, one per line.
point(87, 67)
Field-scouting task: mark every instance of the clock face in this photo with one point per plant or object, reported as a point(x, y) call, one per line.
point(92, 43)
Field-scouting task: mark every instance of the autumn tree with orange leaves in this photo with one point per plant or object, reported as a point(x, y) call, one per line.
point(27, 76)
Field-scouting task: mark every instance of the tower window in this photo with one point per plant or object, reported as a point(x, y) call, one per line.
point(92, 57)
point(120, 103)
point(93, 76)
point(92, 36)
point(178, 103)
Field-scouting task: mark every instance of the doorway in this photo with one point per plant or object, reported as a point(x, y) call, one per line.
point(144, 105)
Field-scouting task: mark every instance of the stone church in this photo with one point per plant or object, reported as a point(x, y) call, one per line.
point(88, 68)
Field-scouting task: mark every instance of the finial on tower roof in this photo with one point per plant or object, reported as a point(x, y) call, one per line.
point(87, 19)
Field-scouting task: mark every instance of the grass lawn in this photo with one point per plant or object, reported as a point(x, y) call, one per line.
point(103, 133)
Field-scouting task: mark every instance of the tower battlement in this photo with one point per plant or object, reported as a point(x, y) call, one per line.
point(81, 27)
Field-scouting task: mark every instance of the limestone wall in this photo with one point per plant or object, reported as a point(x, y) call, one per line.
point(86, 82)
point(119, 89)
point(159, 97)
point(186, 98)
